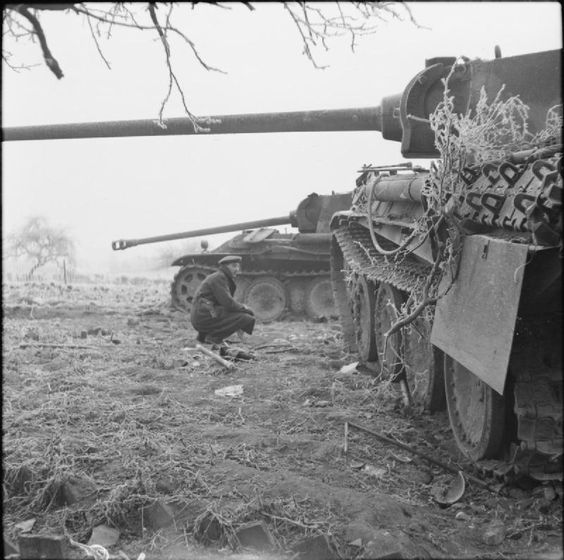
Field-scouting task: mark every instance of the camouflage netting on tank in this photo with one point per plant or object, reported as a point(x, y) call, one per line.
point(491, 132)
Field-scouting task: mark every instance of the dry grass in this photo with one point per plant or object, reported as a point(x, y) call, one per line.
point(129, 423)
point(112, 417)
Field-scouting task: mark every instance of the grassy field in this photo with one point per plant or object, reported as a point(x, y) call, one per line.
point(111, 417)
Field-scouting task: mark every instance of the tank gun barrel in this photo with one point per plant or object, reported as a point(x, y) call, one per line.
point(122, 244)
point(367, 118)
point(403, 117)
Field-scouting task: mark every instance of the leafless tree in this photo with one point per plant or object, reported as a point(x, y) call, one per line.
point(40, 242)
point(316, 23)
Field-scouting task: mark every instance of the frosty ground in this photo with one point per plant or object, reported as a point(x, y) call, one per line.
point(111, 418)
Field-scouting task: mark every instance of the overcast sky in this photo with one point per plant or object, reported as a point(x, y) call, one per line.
point(106, 189)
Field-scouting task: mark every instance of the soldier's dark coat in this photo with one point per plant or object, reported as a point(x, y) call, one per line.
point(215, 312)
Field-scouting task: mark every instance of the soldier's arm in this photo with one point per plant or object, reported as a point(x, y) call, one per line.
point(221, 293)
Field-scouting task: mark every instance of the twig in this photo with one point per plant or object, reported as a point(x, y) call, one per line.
point(218, 359)
point(262, 346)
point(281, 350)
point(523, 529)
point(346, 446)
point(96, 43)
point(291, 521)
point(420, 454)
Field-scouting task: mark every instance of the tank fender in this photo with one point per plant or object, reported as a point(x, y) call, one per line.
point(475, 321)
point(197, 259)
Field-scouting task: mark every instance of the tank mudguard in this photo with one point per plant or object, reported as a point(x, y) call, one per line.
point(196, 259)
point(475, 321)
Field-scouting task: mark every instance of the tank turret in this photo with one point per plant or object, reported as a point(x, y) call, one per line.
point(311, 216)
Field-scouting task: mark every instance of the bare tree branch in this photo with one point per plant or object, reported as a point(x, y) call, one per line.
point(6, 58)
point(167, 53)
point(151, 28)
point(54, 7)
point(50, 60)
point(316, 24)
point(300, 25)
point(96, 42)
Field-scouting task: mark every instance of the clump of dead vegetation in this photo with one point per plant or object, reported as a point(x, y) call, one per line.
point(491, 131)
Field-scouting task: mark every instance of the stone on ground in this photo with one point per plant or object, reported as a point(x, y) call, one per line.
point(255, 535)
point(104, 536)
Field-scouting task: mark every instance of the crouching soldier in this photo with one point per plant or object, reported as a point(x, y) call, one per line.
point(215, 313)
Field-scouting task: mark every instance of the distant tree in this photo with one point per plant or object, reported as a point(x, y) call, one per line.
point(40, 242)
point(316, 23)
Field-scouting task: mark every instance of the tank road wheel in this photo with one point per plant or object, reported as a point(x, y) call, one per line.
point(363, 317)
point(185, 284)
point(476, 412)
point(242, 283)
point(341, 279)
point(296, 289)
point(386, 305)
point(266, 297)
point(423, 366)
point(319, 301)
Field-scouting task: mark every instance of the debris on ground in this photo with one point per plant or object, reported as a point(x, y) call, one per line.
point(349, 368)
point(230, 391)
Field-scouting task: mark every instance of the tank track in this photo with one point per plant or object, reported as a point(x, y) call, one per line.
point(538, 415)
point(359, 256)
point(407, 275)
point(536, 374)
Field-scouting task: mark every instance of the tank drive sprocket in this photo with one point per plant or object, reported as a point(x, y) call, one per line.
point(185, 283)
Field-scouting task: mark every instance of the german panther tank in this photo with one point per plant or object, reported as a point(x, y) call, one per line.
point(280, 271)
point(451, 288)
point(450, 280)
